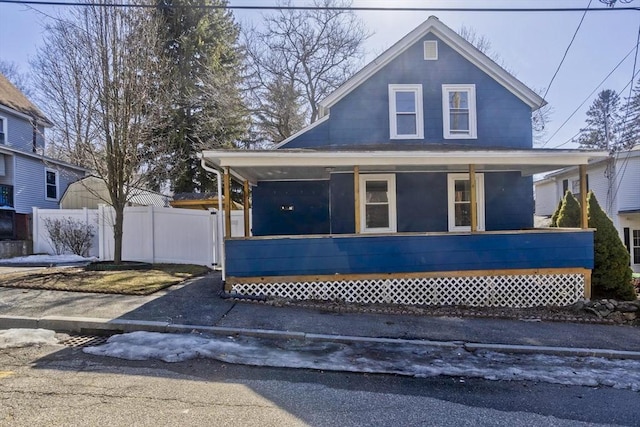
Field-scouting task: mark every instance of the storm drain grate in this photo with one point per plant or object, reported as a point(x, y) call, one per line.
point(80, 341)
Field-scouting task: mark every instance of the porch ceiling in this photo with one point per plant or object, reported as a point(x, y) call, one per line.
point(283, 164)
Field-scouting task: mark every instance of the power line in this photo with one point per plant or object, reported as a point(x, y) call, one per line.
point(588, 96)
point(337, 8)
point(566, 52)
point(637, 73)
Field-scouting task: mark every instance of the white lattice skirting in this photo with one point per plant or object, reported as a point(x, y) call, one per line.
point(503, 290)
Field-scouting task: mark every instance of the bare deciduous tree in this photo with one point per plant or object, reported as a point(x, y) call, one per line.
point(104, 69)
point(19, 79)
point(541, 116)
point(297, 58)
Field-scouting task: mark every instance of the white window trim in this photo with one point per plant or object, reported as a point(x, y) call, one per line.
point(57, 184)
point(633, 246)
point(451, 178)
point(391, 186)
point(446, 125)
point(3, 129)
point(424, 49)
point(393, 124)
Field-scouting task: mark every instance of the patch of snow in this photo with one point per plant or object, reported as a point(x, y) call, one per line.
point(14, 338)
point(390, 358)
point(46, 259)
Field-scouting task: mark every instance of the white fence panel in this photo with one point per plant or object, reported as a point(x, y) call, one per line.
point(150, 234)
point(42, 243)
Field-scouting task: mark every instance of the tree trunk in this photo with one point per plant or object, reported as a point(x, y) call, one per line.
point(117, 235)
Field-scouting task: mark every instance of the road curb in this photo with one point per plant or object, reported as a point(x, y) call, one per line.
point(91, 325)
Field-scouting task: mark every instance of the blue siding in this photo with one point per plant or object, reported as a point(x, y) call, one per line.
point(421, 202)
point(309, 200)
point(362, 117)
point(508, 201)
point(342, 204)
point(408, 253)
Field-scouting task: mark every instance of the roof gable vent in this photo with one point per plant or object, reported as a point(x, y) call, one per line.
point(430, 50)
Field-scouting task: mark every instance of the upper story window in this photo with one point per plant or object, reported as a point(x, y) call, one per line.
point(378, 203)
point(51, 184)
point(405, 111)
point(3, 130)
point(459, 111)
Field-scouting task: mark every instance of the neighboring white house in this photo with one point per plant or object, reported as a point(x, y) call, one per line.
point(616, 184)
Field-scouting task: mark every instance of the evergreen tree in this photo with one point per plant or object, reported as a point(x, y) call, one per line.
point(604, 124)
point(611, 276)
point(204, 108)
point(569, 215)
point(631, 131)
point(554, 217)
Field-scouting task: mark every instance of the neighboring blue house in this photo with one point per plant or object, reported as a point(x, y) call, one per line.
point(414, 186)
point(27, 178)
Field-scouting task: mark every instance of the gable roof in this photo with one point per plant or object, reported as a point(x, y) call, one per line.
point(453, 40)
point(11, 97)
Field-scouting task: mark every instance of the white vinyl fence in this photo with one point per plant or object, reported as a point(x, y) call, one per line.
point(150, 234)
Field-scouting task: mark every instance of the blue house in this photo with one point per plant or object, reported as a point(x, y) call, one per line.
point(27, 177)
point(414, 186)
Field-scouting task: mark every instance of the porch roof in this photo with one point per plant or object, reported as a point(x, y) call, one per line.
point(301, 164)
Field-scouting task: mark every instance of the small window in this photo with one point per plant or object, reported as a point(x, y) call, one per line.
point(459, 193)
point(459, 111)
point(405, 112)
point(431, 50)
point(377, 203)
point(3, 130)
point(51, 184)
point(636, 247)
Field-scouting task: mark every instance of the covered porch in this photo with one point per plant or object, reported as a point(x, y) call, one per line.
point(473, 257)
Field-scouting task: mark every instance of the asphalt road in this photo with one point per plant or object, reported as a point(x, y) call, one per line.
point(57, 386)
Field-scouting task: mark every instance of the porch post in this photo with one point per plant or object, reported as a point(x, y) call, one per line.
point(472, 198)
point(227, 203)
point(245, 200)
point(356, 196)
point(584, 219)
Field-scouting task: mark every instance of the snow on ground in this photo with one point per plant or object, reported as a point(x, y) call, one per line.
point(12, 338)
point(392, 358)
point(46, 259)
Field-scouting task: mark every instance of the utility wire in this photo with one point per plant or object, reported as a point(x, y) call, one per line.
point(620, 172)
point(637, 73)
point(345, 8)
point(565, 53)
point(588, 96)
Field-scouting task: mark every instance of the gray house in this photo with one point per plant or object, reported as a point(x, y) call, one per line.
point(27, 178)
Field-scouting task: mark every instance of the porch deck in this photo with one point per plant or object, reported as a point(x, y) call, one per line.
point(505, 268)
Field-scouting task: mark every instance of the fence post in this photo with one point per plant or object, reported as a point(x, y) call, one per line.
point(36, 230)
point(101, 239)
point(152, 233)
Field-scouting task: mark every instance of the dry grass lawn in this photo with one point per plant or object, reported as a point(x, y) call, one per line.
point(128, 282)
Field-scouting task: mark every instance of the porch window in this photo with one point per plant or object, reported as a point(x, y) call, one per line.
point(636, 246)
point(405, 112)
point(378, 203)
point(459, 111)
point(459, 193)
point(51, 184)
point(3, 130)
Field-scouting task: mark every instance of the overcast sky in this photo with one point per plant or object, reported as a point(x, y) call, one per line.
point(531, 44)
